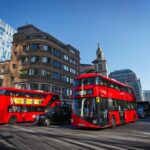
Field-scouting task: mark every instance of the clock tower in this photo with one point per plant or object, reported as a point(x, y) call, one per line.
point(100, 62)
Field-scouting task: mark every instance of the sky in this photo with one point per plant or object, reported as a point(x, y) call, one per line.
point(122, 27)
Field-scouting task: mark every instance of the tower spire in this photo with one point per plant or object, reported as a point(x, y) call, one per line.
point(98, 45)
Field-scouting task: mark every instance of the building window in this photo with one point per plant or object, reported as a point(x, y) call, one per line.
point(65, 93)
point(1, 82)
point(57, 53)
point(15, 53)
point(56, 76)
point(56, 89)
point(32, 59)
point(35, 59)
point(45, 73)
point(26, 47)
point(45, 87)
point(66, 68)
point(100, 66)
point(56, 64)
point(34, 86)
point(2, 69)
point(24, 60)
point(65, 57)
point(46, 60)
point(35, 46)
point(46, 48)
point(71, 80)
point(65, 79)
point(22, 86)
point(13, 66)
point(72, 61)
point(23, 73)
point(72, 51)
point(72, 70)
point(33, 72)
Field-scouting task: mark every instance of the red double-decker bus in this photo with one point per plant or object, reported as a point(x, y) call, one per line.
point(99, 102)
point(17, 105)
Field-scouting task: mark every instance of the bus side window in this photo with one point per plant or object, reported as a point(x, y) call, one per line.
point(110, 104)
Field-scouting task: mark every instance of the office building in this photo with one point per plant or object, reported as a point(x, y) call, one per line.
point(146, 95)
point(39, 61)
point(129, 77)
point(6, 37)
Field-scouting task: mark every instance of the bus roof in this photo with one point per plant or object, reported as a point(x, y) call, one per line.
point(25, 90)
point(87, 75)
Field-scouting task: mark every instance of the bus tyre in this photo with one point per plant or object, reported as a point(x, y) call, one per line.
point(12, 120)
point(47, 122)
point(113, 122)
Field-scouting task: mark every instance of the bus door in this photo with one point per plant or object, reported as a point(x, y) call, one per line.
point(121, 112)
point(103, 112)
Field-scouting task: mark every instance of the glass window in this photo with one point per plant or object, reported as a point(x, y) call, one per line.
point(45, 47)
point(32, 59)
point(66, 57)
point(44, 60)
point(56, 76)
point(35, 46)
point(56, 53)
point(45, 72)
point(56, 64)
point(23, 73)
point(34, 86)
point(65, 79)
point(84, 81)
point(72, 70)
point(45, 87)
point(26, 47)
point(85, 107)
point(66, 68)
point(65, 93)
point(33, 72)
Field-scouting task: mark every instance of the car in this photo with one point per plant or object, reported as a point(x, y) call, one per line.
point(140, 112)
point(55, 116)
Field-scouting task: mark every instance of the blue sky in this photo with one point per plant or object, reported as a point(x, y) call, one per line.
point(122, 27)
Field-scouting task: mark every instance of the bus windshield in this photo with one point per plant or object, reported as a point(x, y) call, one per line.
point(85, 107)
point(85, 81)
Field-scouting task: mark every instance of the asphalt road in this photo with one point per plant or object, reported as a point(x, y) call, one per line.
point(28, 136)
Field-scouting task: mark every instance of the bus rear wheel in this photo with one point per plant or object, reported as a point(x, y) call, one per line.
point(113, 122)
point(12, 120)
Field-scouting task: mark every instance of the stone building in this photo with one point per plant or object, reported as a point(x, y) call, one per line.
point(100, 62)
point(39, 61)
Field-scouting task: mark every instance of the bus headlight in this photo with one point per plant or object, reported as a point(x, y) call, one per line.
point(37, 117)
point(95, 121)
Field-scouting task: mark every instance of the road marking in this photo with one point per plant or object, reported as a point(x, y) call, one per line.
point(24, 129)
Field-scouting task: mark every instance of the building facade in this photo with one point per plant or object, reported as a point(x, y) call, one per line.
point(86, 68)
point(100, 62)
point(5, 73)
point(146, 95)
point(129, 77)
point(39, 61)
point(6, 37)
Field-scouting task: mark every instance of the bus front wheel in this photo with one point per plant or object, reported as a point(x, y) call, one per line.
point(113, 122)
point(12, 120)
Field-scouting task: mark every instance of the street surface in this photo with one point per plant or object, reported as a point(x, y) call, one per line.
point(29, 136)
